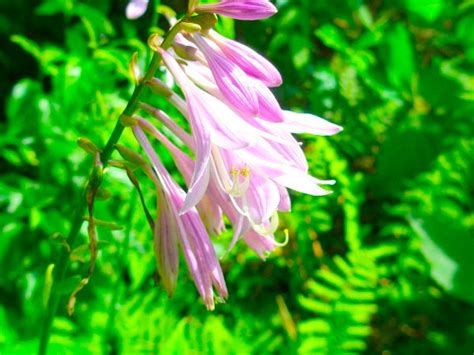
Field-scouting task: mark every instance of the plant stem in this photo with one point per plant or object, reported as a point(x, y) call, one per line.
point(62, 264)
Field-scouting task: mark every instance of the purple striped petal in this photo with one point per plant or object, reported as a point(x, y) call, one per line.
point(232, 81)
point(166, 245)
point(248, 60)
point(262, 245)
point(241, 9)
point(308, 123)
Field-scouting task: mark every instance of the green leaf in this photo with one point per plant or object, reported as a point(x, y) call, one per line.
point(429, 10)
point(300, 50)
point(332, 37)
point(448, 248)
point(399, 57)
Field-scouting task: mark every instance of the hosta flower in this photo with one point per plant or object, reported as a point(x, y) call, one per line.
point(136, 9)
point(241, 156)
point(248, 60)
point(240, 9)
point(234, 85)
point(189, 229)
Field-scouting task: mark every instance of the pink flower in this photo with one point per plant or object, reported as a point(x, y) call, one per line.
point(262, 245)
point(210, 212)
point(212, 122)
point(307, 123)
point(136, 9)
point(243, 158)
point(248, 96)
point(248, 60)
point(240, 9)
point(188, 229)
point(231, 80)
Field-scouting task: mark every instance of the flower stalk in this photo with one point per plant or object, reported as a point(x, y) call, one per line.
point(242, 158)
point(63, 264)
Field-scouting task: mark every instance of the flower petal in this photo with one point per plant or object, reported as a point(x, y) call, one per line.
point(308, 123)
point(248, 60)
point(240, 9)
point(231, 80)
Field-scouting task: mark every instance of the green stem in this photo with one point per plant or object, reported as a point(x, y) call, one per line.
point(62, 265)
point(118, 286)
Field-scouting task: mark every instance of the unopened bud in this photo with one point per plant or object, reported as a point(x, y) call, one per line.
point(130, 155)
point(88, 146)
point(159, 87)
point(190, 27)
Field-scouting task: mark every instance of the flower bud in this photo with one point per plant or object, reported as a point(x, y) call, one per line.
point(240, 9)
point(136, 9)
point(130, 155)
point(88, 146)
point(159, 87)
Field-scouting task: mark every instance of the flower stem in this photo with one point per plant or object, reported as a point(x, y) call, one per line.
point(63, 262)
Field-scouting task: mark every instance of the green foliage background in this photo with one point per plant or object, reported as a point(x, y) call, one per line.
point(384, 265)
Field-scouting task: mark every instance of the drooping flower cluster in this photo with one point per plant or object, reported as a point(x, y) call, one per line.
point(244, 156)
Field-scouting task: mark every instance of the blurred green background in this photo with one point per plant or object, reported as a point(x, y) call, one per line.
point(384, 265)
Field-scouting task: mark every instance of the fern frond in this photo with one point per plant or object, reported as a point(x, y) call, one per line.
point(342, 300)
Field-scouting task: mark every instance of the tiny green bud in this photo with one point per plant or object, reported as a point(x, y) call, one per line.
point(159, 87)
point(190, 27)
point(88, 146)
point(130, 155)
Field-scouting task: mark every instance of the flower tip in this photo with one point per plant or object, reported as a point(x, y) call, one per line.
point(210, 303)
point(338, 129)
point(136, 9)
point(273, 9)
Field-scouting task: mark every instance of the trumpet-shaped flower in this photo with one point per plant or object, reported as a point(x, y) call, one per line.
point(240, 9)
point(248, 60)
point(243, 156)
point(212, 122)
point(191, 232)
point(234, 85)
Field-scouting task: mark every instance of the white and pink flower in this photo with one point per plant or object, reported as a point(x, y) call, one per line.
point(243, 155)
